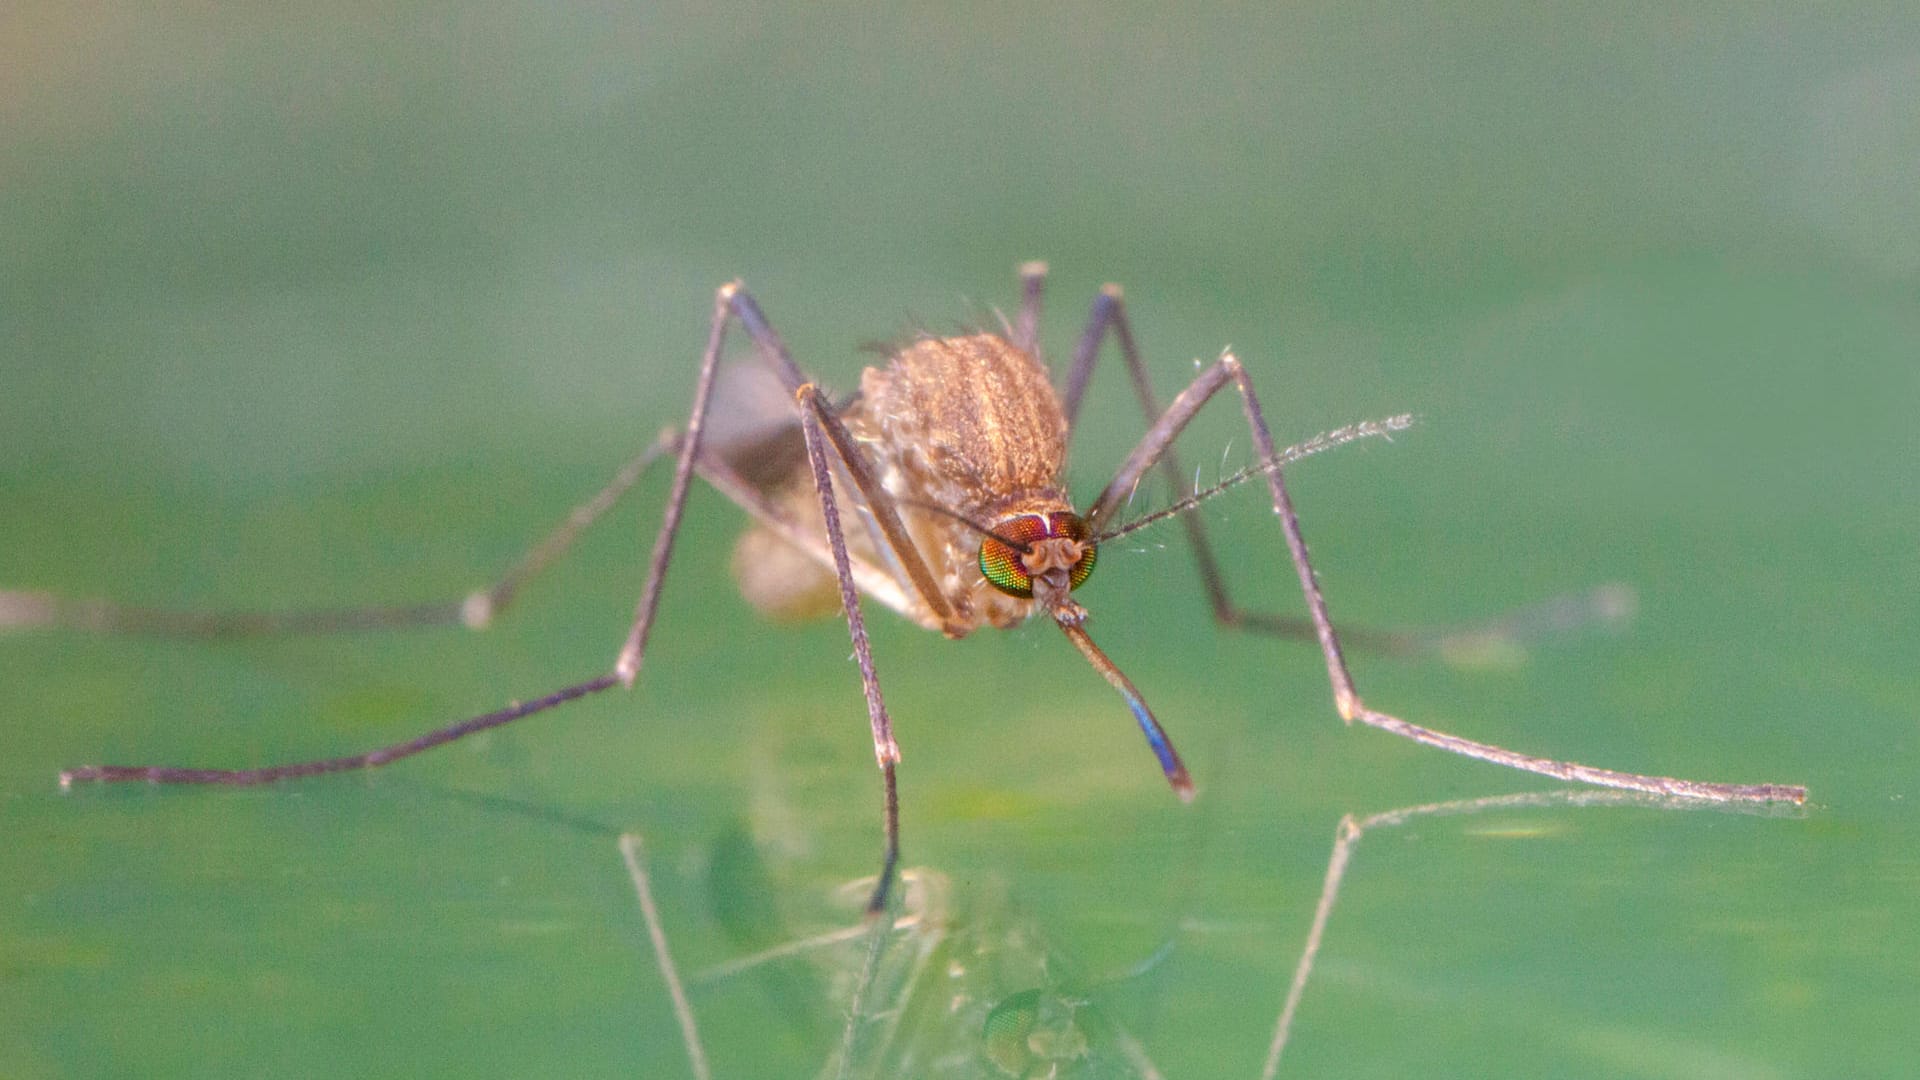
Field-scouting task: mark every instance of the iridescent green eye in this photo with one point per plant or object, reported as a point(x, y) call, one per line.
point(1000, 565)
point(1003, 556)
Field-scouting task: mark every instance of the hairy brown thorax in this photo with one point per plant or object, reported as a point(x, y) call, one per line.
point(970, 423)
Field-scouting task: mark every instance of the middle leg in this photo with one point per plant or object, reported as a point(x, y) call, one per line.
point(626, 666)
point(1109, 317)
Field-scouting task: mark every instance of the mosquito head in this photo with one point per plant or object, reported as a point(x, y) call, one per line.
point(1038, 556)
point(1043, 556)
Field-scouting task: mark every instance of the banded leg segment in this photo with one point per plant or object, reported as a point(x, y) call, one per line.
point(1346, 698)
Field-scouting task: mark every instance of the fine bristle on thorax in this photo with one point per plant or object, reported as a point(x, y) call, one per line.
point(970, 423)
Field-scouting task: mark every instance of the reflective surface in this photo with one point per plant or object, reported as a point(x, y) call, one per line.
point(353, 309)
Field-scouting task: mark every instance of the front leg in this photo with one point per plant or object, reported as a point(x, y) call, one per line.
point(885, 751)
point(1346, 699)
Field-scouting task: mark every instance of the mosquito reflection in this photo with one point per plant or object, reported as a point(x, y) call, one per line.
point(1350, 830)
point(948, 983)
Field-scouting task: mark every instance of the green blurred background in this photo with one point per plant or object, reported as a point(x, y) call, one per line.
point(349, 303)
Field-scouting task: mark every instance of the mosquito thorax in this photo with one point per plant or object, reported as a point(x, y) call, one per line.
point(1027, 546)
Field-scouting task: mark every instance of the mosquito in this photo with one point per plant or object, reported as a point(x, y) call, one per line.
point(951, 458)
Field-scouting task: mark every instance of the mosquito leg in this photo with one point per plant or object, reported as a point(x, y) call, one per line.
point(22, 610)
point(634, 649)
point(1346, 698)
point(885, 751)
point(169, 774)
point(34, 609)
point(1558, 615)
point(626, 666)
point(482, 606)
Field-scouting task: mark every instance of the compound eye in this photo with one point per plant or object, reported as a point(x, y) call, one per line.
point(1004, 565)
point(1004, 555)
